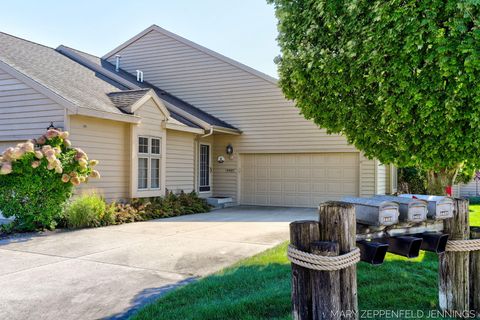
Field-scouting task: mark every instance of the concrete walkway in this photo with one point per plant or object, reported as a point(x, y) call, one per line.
point(110, 272)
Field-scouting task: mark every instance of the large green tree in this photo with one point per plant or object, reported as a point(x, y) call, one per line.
point(399, 78)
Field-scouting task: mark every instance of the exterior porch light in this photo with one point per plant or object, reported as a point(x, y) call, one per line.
point(229, 149)
point(51, 126)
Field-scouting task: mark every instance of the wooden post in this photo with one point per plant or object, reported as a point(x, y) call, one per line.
point(302, 234)
point(475, 274)
point(325, 284)
point(337, 223)
point(453, 266)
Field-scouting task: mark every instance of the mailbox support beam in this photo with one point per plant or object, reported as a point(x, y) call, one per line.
point(302, 234)
point(337, 223)
point(475, 274)
point(325, 284)
point(454, 266)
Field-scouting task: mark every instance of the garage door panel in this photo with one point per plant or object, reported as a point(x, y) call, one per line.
point(298, 179)
point(304, 172)
point(289, 173)
point(262, 173)
point(276, 173)
point(276, 186)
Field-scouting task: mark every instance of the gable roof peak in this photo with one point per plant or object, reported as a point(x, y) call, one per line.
point(194, 45)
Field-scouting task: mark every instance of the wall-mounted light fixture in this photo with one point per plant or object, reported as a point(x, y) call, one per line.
point(52, 126)
point(229, 149)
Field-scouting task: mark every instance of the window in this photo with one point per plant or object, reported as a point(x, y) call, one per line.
point(149, 154)
point(204, 168)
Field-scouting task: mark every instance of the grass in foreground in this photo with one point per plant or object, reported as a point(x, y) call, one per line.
point(259, 288)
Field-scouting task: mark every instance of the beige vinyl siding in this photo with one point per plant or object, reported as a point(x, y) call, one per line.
point(225, 175)
point(108, 142)
point(7, 144)
point(24, 112)
point(469, 189)
point(381, 187)
point(180, 161)
point(269, 122)
point(367, 177)
point(252, 103)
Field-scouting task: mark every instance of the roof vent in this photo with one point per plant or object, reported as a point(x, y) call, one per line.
point(117, 62)
point(139, 75)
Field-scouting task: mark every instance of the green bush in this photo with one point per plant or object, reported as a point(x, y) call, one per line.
point(474, 200)
point(37, 178)
point(88, 210)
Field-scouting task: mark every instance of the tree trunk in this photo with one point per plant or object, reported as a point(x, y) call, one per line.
point(438, 181)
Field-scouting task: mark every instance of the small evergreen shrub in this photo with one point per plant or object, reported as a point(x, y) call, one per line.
point(37, 178)
point(86, 211)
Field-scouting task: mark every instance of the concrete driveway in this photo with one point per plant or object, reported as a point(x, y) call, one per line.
point(110, 272)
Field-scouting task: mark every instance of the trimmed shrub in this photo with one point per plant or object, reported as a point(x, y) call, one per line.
point(86, 211)
point(37, 178)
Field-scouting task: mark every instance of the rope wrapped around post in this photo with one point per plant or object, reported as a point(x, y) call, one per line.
point(323, 263)
point(463, 245)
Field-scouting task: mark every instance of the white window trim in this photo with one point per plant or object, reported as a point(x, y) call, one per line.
point(149, 156)
point(210, 184)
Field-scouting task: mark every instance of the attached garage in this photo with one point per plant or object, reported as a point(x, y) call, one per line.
point(301, 180)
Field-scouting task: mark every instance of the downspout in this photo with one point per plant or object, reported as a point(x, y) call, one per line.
point(208, 134)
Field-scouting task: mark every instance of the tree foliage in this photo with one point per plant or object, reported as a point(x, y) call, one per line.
point(400, 79)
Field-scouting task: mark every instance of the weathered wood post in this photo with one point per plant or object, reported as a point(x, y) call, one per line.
point(302, 234)
point(475, 274)
point(337, 223)
point(454, 266)
point(325, 284)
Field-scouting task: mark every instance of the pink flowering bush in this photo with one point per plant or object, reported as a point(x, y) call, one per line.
point(37, 178)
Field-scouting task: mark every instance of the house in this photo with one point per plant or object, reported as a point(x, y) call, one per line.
point(161, 112)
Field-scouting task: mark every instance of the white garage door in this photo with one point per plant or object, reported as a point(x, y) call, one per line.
point(300, 180)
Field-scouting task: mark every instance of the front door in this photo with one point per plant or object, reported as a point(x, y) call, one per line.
point(204, 170)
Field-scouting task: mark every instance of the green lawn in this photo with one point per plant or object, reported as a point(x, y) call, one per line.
point(259, 288)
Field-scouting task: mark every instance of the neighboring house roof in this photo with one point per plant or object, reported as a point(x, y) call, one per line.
point(173, 103)
point(73, 82)
point(192, 44)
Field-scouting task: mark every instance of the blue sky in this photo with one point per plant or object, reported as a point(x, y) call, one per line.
point(243, 30)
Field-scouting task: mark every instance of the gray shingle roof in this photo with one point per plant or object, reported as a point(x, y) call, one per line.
point(67, 78)
point(162, 94)
point(127, 98)
point(83, 86)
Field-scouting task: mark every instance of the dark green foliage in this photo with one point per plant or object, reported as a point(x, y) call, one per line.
point(474, 200)
point(398, 78)
point(410, 180)
point(158, 207)
point(34, 197)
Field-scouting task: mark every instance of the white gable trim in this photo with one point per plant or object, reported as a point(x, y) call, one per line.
point(195, 46)
point(150, 95)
